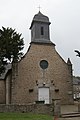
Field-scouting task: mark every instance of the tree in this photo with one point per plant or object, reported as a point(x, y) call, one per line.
point(11, 45)
point(78, 53)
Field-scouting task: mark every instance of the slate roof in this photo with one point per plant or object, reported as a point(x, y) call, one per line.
point(76, 81)
point(40, 18)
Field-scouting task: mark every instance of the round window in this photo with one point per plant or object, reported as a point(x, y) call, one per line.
point(43, 64)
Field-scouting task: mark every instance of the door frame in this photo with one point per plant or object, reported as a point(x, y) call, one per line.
point(43, 87)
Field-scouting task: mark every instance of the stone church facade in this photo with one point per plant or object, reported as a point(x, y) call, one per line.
point(42, 74)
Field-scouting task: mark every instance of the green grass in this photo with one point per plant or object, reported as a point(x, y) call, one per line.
point(24, 116)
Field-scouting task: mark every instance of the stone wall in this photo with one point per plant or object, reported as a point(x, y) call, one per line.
point(33, 108)
point(2, 92)
point(30, 76)
point(5, 89)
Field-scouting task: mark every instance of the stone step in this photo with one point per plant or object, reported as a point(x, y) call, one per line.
point(77, 114)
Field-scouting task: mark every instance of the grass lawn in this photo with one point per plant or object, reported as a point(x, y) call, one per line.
point(24, 116)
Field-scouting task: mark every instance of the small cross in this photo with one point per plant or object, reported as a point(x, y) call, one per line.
point(39, 7)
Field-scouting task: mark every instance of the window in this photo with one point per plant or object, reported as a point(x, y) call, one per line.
point(43, 64)
point(42, 31)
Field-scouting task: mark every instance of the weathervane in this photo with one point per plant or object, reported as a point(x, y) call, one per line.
point(39, 7)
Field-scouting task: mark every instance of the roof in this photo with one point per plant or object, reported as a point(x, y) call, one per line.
point(76, 81)
point(40, 18)
point(43, 41)
point(8, 67)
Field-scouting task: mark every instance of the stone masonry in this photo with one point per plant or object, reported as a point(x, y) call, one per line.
point(30, 76)
point(41, 75)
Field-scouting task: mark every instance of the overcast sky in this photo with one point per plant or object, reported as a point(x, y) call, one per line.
point(64, 16)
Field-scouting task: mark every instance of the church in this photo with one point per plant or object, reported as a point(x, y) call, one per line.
point(41, 75)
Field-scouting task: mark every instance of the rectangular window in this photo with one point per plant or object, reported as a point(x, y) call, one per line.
point(42, 31)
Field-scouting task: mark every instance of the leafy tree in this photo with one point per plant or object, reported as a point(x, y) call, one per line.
point(11, 45)
point(78, 53)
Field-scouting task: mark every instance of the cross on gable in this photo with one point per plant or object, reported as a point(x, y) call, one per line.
point(39, 7)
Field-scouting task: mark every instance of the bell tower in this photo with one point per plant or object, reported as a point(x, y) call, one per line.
point(40, 29)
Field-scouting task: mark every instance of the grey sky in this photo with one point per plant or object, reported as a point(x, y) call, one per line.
point(64, 16)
